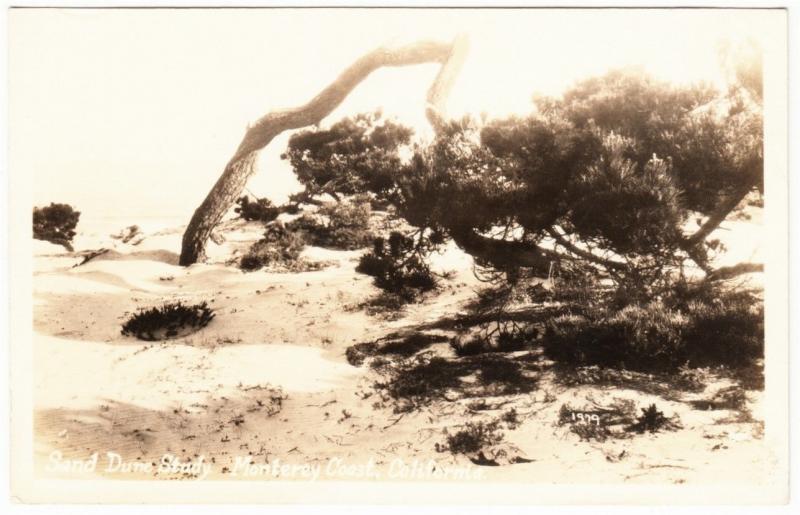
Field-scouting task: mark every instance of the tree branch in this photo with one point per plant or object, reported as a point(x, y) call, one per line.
point(585, 254)
point(693, 244)
point(506, 254)
point(719, 215)
point(729, 272)
point(242, 165)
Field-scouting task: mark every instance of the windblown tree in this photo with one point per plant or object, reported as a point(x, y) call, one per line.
point(615, 187)
point(242, 165)
point(609, 176)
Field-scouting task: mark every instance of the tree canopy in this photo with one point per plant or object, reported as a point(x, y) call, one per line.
point(607, 176)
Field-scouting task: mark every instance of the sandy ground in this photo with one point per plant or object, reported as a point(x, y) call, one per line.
point(265, 391)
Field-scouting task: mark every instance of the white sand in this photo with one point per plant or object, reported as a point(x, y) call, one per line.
point(268, 377)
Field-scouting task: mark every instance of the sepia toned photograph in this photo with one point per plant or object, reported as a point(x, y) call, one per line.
point(398, 255)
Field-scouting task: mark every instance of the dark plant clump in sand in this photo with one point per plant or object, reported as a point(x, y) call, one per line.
point(262, 210)
point(652, 420)
point(55, 223)
point(398, 267)
point(474, 437)
point(168, 321)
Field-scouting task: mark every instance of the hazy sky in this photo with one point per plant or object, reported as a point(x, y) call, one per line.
point(129, 112)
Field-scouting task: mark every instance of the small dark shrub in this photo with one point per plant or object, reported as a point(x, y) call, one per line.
point(511, 418)
point(397, 267)
point(343, 225)
point(168, 321)
point(474, 437)
point(652, 420)
point(55, 223)
point(278, 247)
point(262, 210)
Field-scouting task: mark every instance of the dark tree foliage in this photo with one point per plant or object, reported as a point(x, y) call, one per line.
point(596, 189)
point(354, 155)
point(609, 174)
point(262, 209)
point(55, 223)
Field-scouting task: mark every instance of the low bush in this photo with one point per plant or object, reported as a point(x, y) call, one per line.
point(474, 437)
point(644, 337)
point(343, 226)
point(727, 329)
point(652, 420)
point(171, 320)
point(55, 223)
point(700, 328)
point(397, 267)
point(262, 210)
point(278, 247)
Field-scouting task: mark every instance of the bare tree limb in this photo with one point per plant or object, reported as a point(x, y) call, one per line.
point(242, 165)
point(506, 254)
point(693, 245)
point(729, 272)
point(608, 263)
point(719, 215)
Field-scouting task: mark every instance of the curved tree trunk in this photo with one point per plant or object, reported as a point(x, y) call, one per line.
point(242, 165)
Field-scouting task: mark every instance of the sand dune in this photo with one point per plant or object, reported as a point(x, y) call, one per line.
point(267, 381)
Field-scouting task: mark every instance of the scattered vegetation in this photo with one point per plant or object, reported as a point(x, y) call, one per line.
point(170, 320)
point(55, 223)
